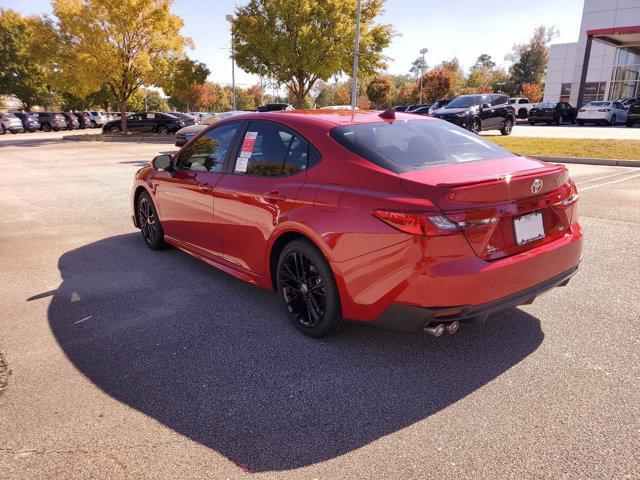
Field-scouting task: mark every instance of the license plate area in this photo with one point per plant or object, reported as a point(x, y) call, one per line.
point(528, 228)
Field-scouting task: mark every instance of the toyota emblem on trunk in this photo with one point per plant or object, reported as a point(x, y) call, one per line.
point(536, 186)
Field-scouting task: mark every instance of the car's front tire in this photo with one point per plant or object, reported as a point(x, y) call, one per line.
point(308, 290)
point(475, 126)
point(507, 128)
point(163, 130)
point(149, 222)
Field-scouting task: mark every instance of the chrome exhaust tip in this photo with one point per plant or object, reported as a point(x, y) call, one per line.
point(453, 327)
point(435, 331)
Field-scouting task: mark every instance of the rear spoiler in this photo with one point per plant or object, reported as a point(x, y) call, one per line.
point(497, 178)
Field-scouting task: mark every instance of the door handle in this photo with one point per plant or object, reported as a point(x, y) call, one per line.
point(273, 196)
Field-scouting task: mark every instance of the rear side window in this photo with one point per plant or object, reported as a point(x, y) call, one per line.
point(403, 146)
point(270, 150)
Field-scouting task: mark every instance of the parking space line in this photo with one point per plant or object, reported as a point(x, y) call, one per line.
point(606, 176)
point(609, 183)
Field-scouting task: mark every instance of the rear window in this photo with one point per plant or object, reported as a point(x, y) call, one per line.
point(403, 146)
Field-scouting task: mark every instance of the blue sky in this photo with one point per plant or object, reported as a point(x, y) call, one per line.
point(462, 28)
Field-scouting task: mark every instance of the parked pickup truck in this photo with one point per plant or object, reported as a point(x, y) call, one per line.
point(521, 106)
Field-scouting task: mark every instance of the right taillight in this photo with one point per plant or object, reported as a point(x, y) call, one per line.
point(417, 223)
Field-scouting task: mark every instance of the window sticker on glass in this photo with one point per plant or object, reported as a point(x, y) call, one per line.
point(248, 144)
point(241, 164)
point(151, 115)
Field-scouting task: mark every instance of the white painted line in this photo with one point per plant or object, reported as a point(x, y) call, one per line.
point(609, 183)
point(606, 176)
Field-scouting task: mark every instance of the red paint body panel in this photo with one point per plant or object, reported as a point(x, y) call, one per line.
point(235, 221)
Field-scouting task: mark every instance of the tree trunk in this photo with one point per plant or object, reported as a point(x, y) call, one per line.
point(123, 116)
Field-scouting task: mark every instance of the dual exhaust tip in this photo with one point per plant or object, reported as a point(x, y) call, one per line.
point(438, 329)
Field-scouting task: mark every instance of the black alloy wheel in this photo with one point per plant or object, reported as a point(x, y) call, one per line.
point(114, 128)
point(475, 126)
point(560, 120)
point(508, 127)
point(163, 130)
point(149, 223)
point(308, 290)
point(46, 127)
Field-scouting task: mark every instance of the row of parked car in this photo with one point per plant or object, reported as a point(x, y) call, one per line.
point(496, 111)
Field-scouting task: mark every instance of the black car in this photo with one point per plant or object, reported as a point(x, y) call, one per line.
point(30, 121)
point(185, 117)
point(275, 107)
point(147, 122)
point(401, 108)
point(553, 112)
point(478, 113)
point(51, 121)
point(633, 114)
point(440, 104)
point(424, 110)
point(83, 120)
point(416, 106)
point(72, 121)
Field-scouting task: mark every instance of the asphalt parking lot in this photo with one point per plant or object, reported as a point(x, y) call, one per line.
point(128, 363)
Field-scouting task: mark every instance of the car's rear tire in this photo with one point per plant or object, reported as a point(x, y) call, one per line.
point(149, 222)
point(475, 126)
point(507, 127)
point(114, 129)
point(46, 127)
point(308, 290)
point(163, 130)
point(560, 120)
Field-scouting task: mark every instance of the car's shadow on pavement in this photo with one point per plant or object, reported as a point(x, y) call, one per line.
point(214, 358)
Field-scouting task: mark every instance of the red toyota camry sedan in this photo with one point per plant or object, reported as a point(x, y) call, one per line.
point(398, 220)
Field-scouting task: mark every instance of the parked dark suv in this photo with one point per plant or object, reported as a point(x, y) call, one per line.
point(147, 122)
point(480, 112)
point(29, 121)
point(553, 112)
point(274, 107)
point(633, 114)
point(52, 121)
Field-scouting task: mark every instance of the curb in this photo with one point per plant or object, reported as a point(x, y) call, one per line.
point(610, 162)
point(100, 138)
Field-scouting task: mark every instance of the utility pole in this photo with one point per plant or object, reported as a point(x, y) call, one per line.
point(233, 64)
point(424, 63)
point(356, 53)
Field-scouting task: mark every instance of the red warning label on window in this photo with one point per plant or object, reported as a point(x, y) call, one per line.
point(248, 144)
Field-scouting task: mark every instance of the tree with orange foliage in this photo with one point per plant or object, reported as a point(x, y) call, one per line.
point(532, 91)
point(437, 84)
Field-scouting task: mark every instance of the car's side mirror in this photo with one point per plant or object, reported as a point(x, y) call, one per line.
point(162, 162)
point(486, 106)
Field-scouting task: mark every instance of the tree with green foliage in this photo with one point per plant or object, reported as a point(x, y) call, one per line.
point(485, 61)
point(183, 73)
point(380, 91)
point(122, 44)
point(530, 59)
point(154, 102)
point(298, 42)
point(22, 73)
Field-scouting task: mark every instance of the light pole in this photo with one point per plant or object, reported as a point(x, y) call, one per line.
point(233, 64)
point(500, 86)
point(424, 62)
point(356, 52)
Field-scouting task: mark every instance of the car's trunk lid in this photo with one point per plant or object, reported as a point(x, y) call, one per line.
point(485, 197)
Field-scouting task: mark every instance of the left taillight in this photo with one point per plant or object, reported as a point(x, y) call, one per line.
point(417, 223)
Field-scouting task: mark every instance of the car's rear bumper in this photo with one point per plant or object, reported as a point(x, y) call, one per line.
point(444, 273)
point(411, 319)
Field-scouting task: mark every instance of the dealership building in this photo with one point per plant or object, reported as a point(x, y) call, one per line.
point(604, 64)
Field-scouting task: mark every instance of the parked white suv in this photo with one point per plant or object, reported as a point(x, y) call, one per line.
point(522, 106)
point(97, 119)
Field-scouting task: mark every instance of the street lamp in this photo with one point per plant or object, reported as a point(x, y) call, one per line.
point(500, 86)
point(424, 62)
point(233, 63)
point(356, 52)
